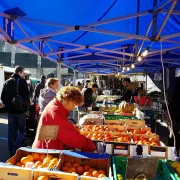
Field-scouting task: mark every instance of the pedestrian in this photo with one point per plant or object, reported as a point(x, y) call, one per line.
point(38, 88)
point(79, 85)
point(48, 93)
point(84, 88)
point(90, 95)
point(15, 96)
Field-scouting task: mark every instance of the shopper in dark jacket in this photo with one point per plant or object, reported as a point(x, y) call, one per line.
point(38, 88)
point(173, 96)
point(88, 95)
point(16, 118)
point(127, 93)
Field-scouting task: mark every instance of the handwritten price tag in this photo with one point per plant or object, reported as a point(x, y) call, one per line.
point(48, 131)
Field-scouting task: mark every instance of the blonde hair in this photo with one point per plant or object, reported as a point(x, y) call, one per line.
point(51, 81)
point(71, 94)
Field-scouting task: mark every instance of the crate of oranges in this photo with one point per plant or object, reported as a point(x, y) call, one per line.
point(34, 158)
point(86, 165)
point(139, 130)
point(103, 128)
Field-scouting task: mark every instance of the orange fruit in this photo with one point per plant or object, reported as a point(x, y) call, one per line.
point(72, 169)
point(74, 173)
point(91, 170)
point(42, 157)
point(87, 174)
point(46, 161)
point(18, 164)
point(49, 156)
point(24, 160)
point(42, 178)
point(67, 164)
point(101, 176)
point(80, 170)
point(75, 164)
point(65, 168)
point(95, 174)
point(100, 171)
point(40, 166)
point(37, 163)
point(9, 163)
point(55, 159)
point(31, 158)
point(35, 156)
point(87, 167)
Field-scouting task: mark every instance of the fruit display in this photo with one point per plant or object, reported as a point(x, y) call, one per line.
point(102, 128)
point(143, 140)
point(146, 131)
point(92, 119)
point(36, 160)
point(109, 137)
point(126, 107)
point(176, 167)
point(85, 170)
point(110, 109)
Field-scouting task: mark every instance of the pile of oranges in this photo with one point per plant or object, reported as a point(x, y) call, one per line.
point(101, 128)
point(108, 137)
point(44, 178)
point(86, 170)
point(36, 160)
point(141, 140)
point(140, 131)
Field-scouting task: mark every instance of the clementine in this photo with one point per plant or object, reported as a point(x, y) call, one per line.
point(31, 158)
point(43, 178)
point(67, 164)
point(101, 176)
point(95, 174)
point(75, 164)
point(91, 170)
point(87, 174)
point(24, 160)
point(42, 157)
point(35, 156)
point(18, 164)
point(86, 168)
point(65, 168)
point(101, 171)
point(80, 170)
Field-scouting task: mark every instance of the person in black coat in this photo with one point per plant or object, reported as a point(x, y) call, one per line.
point(38, 88)
point(127, 93)
point(173, 95)
point(16, 118)
point(88, 95)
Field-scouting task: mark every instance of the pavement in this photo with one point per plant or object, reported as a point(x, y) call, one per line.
point(4, 153)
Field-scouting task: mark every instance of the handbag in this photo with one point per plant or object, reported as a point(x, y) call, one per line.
point(18, 102)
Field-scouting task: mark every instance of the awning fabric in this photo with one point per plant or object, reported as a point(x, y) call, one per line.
point(95, 36)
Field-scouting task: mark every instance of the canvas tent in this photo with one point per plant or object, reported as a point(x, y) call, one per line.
point(95, 36)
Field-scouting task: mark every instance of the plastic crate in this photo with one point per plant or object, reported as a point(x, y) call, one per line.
point(117, 117)
point(119, 165)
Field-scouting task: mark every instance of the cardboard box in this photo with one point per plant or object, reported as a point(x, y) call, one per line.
point(53, 175)
point(8, 172)
point(136, 123)
point(22, 152)
point(96, 161)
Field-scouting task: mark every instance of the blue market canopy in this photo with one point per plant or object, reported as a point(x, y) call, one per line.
point(95, 36)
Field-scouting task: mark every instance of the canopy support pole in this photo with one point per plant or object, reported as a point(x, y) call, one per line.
point(154, 19)
point(166, 19)
point(59, 72)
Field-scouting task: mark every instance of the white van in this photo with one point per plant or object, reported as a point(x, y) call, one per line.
point(6, 73)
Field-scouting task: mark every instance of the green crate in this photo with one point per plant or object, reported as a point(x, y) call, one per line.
point(163, 172)
point(117, 117)
point(119, 165)
point(172, 170)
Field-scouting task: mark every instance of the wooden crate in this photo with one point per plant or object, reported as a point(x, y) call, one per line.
point(54, 175)
point(136, 123)
point(137, 128)
point(114, 122)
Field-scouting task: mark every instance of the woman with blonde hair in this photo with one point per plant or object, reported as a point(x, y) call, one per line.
point(56, 114)
point(48, 93)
